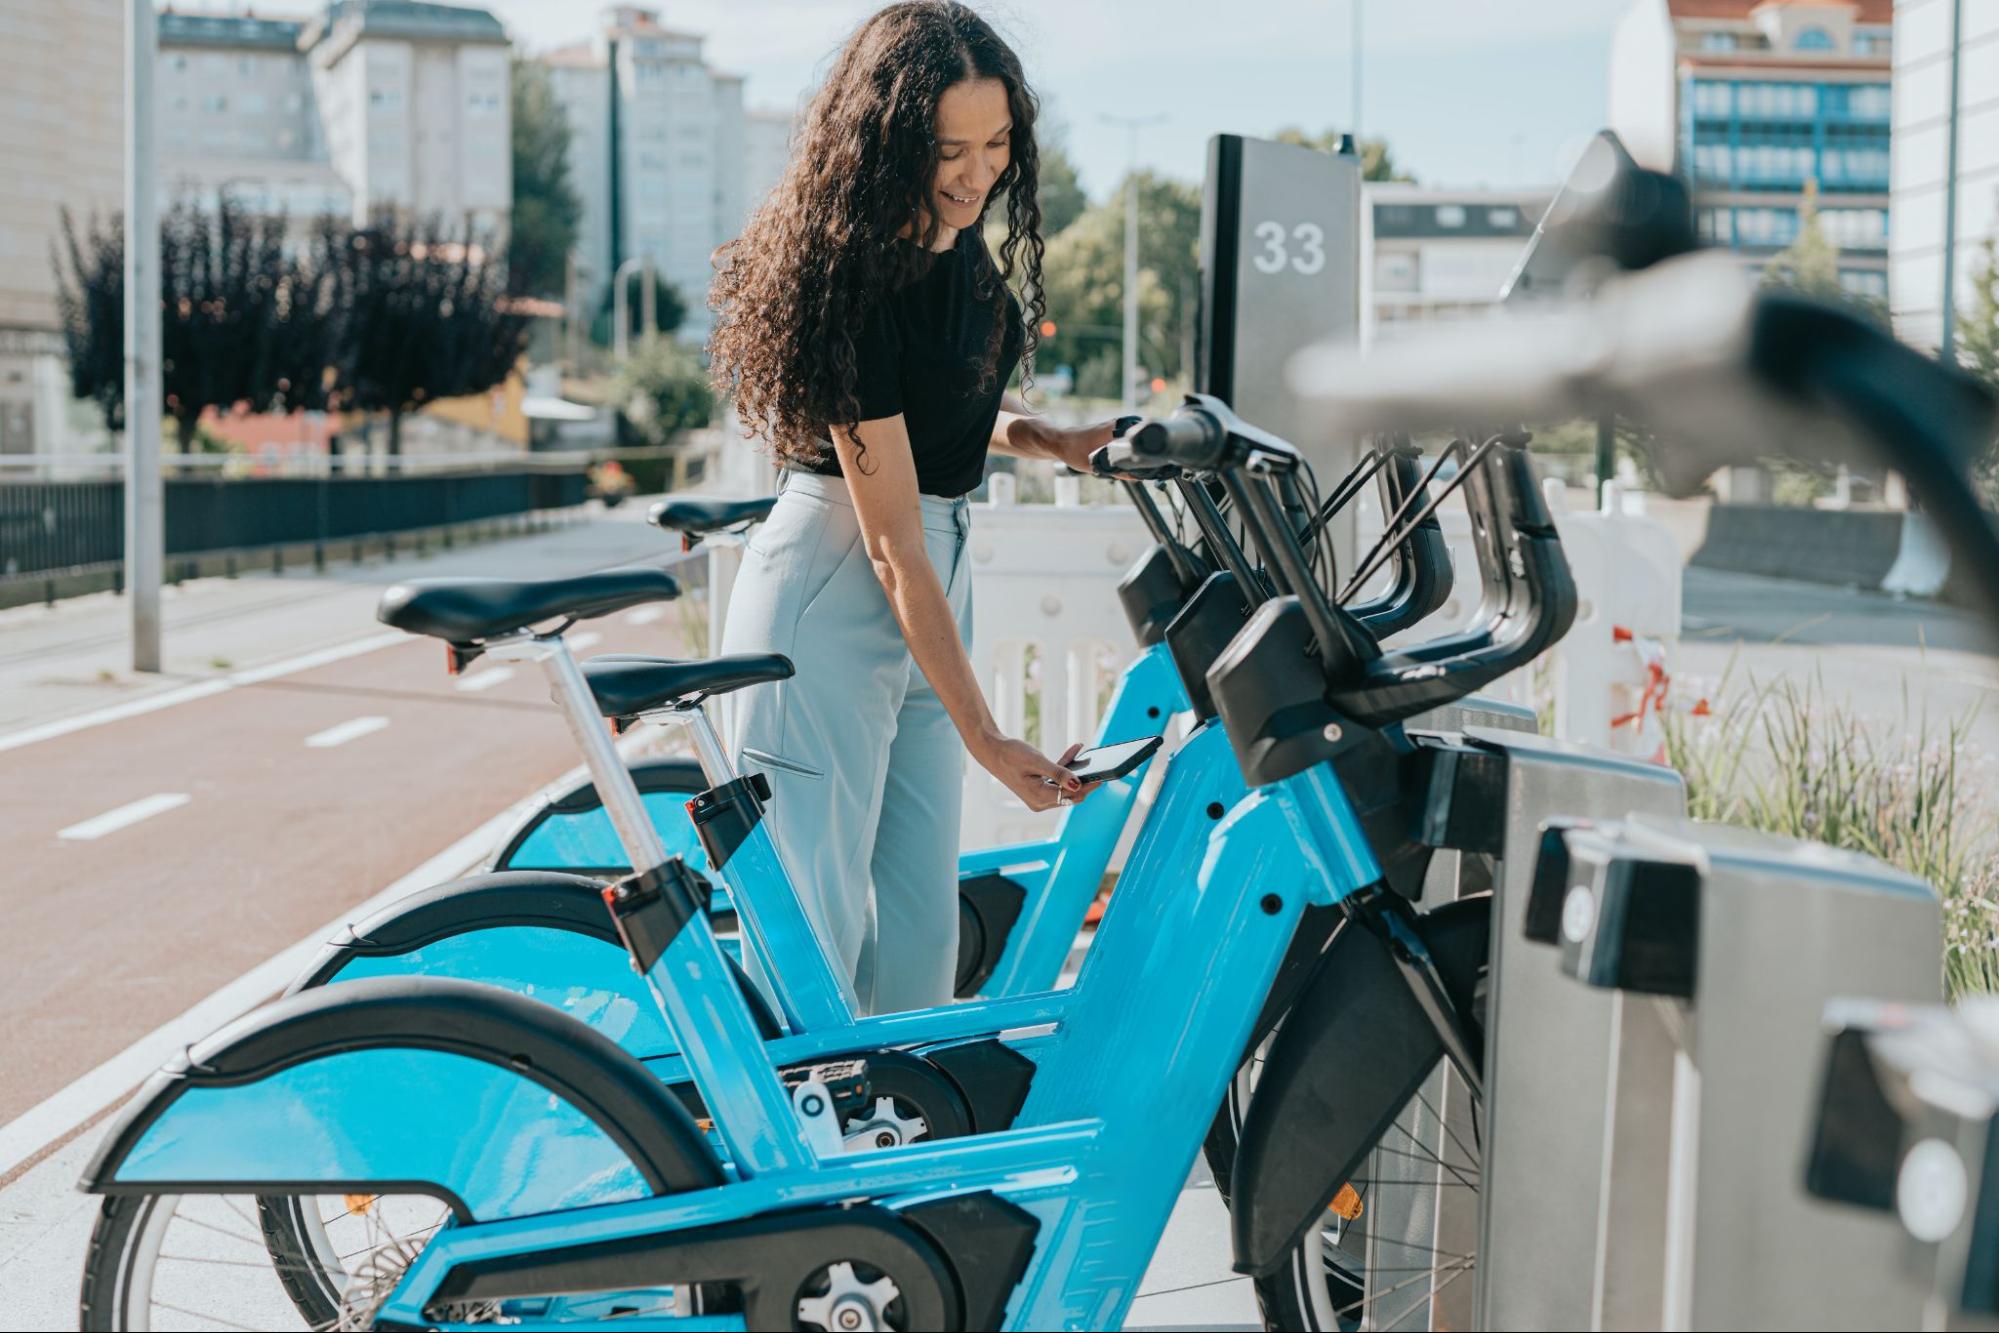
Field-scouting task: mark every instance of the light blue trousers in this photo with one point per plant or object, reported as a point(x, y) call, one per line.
point(865, 767)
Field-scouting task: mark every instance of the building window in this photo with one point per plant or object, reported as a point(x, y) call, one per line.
point(215, 102)
point(1870, 43)
point(1816, 39)
point(1450, 215)
point(294, 102)
point(1502, 218)
point(1866, 282)
point(1718, 41)
point(1395, 272)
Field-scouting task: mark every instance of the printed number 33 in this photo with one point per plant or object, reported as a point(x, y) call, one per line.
point(1311, 242)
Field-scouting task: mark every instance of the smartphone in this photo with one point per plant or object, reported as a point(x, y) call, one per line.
point(1112, 761)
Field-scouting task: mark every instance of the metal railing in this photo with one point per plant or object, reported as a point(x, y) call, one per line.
point(52, 529)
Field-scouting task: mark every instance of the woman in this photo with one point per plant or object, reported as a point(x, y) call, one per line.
point(865, 330)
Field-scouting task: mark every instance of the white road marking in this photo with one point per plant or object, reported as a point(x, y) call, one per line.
point(587, 639)
point(59, 1114)
point(645, 615)
point(345, 732)
point(485, 680)
point(202, 690)
point(124, 816)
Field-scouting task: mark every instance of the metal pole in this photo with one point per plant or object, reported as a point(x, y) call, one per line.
point(1947, 345)
point(648, 303)
point(1606, 456)
point(145, 507)
point(1356, 72)
point(621, 311)
point(1130, 358)
point(1132, 126)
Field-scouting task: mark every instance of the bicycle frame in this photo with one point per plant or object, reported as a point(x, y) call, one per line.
point(1106, 1135)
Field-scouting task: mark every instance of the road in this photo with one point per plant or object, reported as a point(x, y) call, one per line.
point(153, 858)
point(1893, 660)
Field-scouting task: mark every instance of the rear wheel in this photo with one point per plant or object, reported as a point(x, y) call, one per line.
point(209, 1261)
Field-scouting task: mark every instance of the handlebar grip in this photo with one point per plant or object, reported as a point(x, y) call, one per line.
point(1191, 439)
point(1118, 460)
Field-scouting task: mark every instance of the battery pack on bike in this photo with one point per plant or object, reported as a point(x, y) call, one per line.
point(651, 907)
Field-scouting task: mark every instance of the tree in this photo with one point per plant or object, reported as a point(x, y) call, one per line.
point(1061, 193)
point(669, 310)
point(1978, 347)
point(1084, 278)
point(1809, 265)
point(421, 316)
point(1978, 331)
point(662, 390)
point(546, 212)
point(1376, 162)
point(242, 323)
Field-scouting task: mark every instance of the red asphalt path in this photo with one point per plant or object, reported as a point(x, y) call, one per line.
point(102, 940)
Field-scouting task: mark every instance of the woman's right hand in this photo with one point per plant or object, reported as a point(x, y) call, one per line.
point(1027, 773)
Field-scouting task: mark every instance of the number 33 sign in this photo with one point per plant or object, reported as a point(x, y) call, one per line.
point(1275, 257)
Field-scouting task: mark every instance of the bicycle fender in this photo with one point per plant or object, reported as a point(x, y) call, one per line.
point(542, 934)
point(570, 831)
point(496, 1104)
point(1353, 1050)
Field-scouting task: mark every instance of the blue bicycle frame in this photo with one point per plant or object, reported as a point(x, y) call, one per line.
point(1060, 876)
point(1139, 1054)
point(593, 981)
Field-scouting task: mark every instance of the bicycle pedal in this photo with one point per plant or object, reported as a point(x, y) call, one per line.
point(846, 1081)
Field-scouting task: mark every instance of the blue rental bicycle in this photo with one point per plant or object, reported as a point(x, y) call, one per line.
point(1021, 906)
point(572, 1186)
point(543, 933)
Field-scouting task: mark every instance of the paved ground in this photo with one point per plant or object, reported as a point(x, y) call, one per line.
point(1893, 659)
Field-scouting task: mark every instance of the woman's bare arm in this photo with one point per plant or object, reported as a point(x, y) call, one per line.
point(1022, 432)
point(883, 484)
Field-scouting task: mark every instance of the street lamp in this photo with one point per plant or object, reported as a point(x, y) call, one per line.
point(1132, 125)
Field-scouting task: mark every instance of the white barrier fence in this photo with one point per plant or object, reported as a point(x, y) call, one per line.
point(1049, 638)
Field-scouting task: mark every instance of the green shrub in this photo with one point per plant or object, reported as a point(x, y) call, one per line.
point(663, 390)
point(1784, 757)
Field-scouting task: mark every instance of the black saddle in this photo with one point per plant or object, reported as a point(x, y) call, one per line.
point(626, 684)
point(696, 515)
point(468, 610)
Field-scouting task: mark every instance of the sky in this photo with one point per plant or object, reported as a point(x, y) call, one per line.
point(1467, 92)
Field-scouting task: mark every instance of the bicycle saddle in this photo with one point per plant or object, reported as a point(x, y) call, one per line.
point(469, 610)
point(626, 684)
point(697, 515)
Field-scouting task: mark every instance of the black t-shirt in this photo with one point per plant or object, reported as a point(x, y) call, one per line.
point(922, 353)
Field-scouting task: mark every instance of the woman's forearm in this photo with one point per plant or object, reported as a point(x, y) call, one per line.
point(917, 597)
point(1024, 435)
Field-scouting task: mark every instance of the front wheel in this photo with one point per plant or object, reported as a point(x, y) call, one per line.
point(1397, 1247)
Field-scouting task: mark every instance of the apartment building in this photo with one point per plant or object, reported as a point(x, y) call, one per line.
point(1432, 253)
point(666, 160)
point(1758, 101)
point(1923, 177)
point(62, 145)
point(370, 106)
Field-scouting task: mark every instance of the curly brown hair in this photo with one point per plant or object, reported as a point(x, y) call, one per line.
point(796, 287)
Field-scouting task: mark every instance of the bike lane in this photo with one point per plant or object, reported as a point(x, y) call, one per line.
point(152, 860)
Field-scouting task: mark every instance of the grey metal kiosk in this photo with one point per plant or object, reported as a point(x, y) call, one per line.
point(1549, 1060)
point(1908, 1127)
point(1739, 939)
